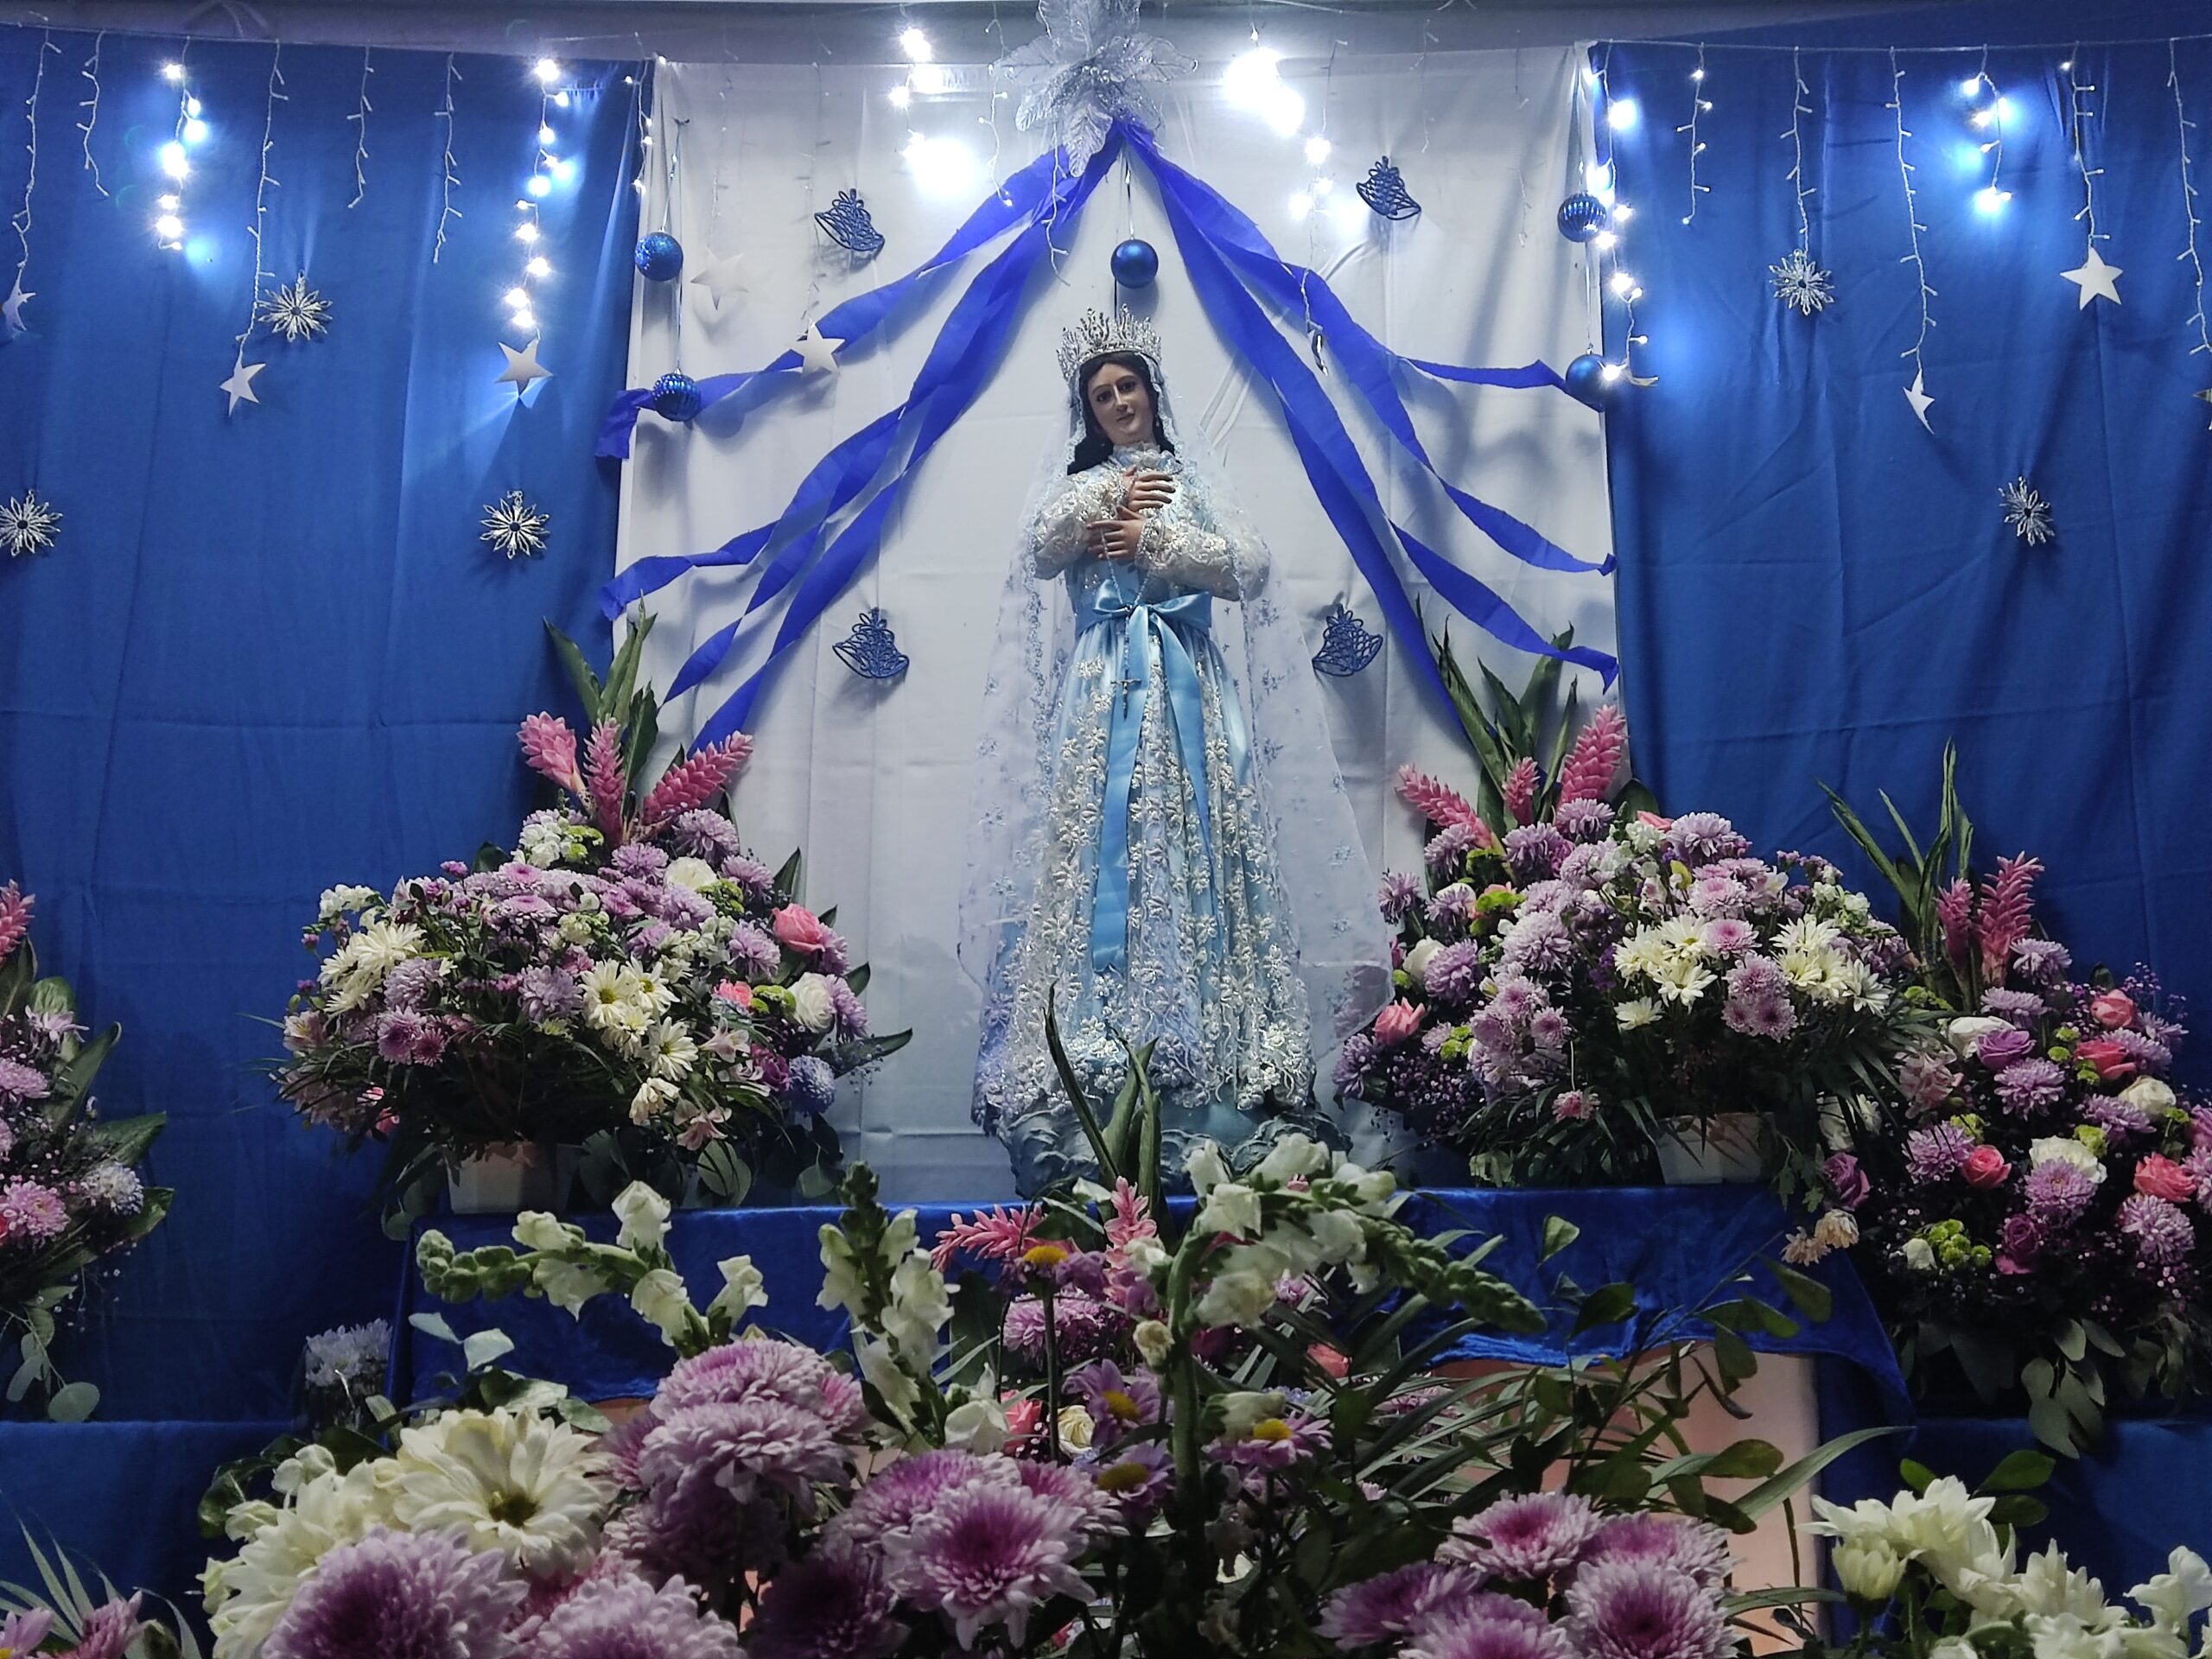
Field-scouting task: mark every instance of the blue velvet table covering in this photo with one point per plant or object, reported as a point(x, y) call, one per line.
point(1678, 1246)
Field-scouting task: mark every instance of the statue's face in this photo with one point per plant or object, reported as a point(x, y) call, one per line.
point(1119, 404)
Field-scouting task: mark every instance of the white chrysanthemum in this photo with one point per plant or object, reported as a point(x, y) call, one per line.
point(1808, 934)
point(1635, 1012)
point(651, 989)
point(531, 1490)
point(250, 1595)
point(1685, 937)
point(605, 995)
point(1642, 955)
point(1683, 980)
point(2050, 1586)
point(670, 1049)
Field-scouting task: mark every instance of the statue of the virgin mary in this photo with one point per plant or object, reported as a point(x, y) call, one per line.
point(1163, 853)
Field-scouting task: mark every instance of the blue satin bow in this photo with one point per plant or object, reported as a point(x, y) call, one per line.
point(1151, 630)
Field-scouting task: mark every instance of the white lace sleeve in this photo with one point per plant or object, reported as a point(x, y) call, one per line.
point(1056, 534)
point(1191, 549)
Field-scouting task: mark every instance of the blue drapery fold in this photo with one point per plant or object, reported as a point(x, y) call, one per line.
point(1235, 254)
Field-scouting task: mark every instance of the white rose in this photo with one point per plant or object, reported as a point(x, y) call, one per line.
point(1919, 1254)
point(644, 1214)
point(2065, 1149)
point(743, 1288)
point(1152, 1341)
point(1292, 1157)
point(660, 1298)
point(537, 1230)
point(1207, 1167)
point(1075, 1427)
point(1965, 1033)
point(693, 873)
point(811, 1005)
point(1870, 1571)
point(2149, 1095)
point(1417, 960)
point(1231, 1208)
point(979, 1427)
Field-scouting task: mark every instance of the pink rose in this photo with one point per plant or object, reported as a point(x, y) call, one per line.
point(1655, 820)
point(735, 990)
point(2161, 1178)
point(2109, 1058)
point(1396, 1023)
point(1985, 1166)
point(2113, 1010)
point(1570, 1103)
point(800, 929)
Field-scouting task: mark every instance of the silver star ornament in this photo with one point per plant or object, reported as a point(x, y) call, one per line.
point(29, 524)
point(1800, 284)
point(295, 311)
point(240, 387)
point(2027, 512)
point(1090, 69)
point(514, 527)
point(2095, 279)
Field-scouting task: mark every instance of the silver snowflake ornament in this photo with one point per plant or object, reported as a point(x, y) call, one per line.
point(514, 527)
point(29, 524)
point(1090, 69)
point(1800, 284)
point(2027, 512)
point(295, 311)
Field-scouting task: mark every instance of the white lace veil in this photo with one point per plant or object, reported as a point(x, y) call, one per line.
point(1328, 884)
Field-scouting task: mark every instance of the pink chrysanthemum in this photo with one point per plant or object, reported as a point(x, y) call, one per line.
point(1524, 1538)
point(828, 1606)
point(747, 1447)
point(627, 1619)
point(548, 748)
point(1691, 1547)
point(993, 1236)
point(20, 1082)
point(399, 1595)
point(1497, 1631)
point(109, 1628)
point(741, 1371)
point(30, 1209)
point(1634, 1609)
point(891, 1503)
point(1073, 1494)
point(985, 1555)
point(1399, 1604)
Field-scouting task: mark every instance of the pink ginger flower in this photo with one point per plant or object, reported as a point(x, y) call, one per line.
point(549, 747)
point(609, 785)
point(1955, 909)
point(1521, 790)
point(995, 1236)
point(2003, 922)
point(696, 780)
point(1595, 760)
point(1131, 1218)
point(15, 919)
point(1440, 804)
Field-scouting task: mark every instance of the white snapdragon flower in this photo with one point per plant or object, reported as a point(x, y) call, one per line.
point(918, 1309)
point(528, 1488)
point(881, 1370)
point(2178, 1594)
point(1418, 958)
point(661, 1301)
point(1339, 1234)
point(1207, 1167)
point(812, 1006)
point(980, 1427)
point(695, 873)
point(643, 1214)
point(1292, 1157)
point(743, 1288)
point(2065, 1149)
point(336, 902)
point(1243, 1286)
point(1370, 1191)
point(566, 1285)
point(1232, 1208)
point(537, 1230)
point(840, 1272)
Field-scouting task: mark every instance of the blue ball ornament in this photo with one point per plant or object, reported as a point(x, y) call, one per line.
point(1588, 381)
point(676, 396)
point(1581, 216)
point(1135, 263)
point(660, 257)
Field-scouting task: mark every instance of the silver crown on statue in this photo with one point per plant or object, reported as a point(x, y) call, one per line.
point(1096, 333)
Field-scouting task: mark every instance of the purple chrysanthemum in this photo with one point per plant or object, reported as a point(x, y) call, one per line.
point(2040, 962)
point(627, 1619)
point(1136, 1475)
point(784, 1371)
point(2058, 1191)
point(754, 952)
point(32, 1210)
point(548, 994)
point(2198, 1167)
point(1933, 1153)
point(1352, 1060)
point(746, 1447)
point(109, 1630)
point(1118, 1401)
point(703, 833)
point(1691, 1547)
point(1634, 1609)
point(750, 874)
point(1455, 974)
point(113, 1187)
point(1450, 910)
point(1073, 1494)
point(399, 1033)
point(1501, 1628)
point(2021, 1007)
point(899, 1496)
point(987, 1554)
point(1448, 846)
point(2120, 1119)
point(1085, 1328)
point(20, 1082)
point(828, 1606)
point(2162, 1231)
point(396, 1595)
point(2150, 1054)
point(1399, 1604)
point(1730, 936)
point(1698, 838)
point(637, 859)
point(811, 1088)
point(1538, 943)
point(411, 981)
point(849, 1015)
point(1585, 820)
point(1535, 851)
point(2031, 1086)
point(1756, 979)
point(1275, 1443)
point(1397, 896)
point(1548, 1028)
point(1522, 1538)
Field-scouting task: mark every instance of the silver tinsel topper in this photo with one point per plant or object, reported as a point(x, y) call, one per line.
point(1090, 69)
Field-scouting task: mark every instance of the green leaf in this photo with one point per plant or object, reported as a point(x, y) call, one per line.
point(72, 1402)
point(126, 1140)
point(1607, 1305)
point(724, 1174)
point(2050, 1424)
point(1917, 1477)
point(787, 878)
point(1744, 1460)
point(1778, 1486)
point(622, 672)
point(856, 981)
point(815, 1182)
point(1806, 1293)
point(2020, 1471)
point(2073, 1340)
point(479, 1348)
point(434, 1325)
point(579, 675)
point(2017, 1509)
point(1559, 1233)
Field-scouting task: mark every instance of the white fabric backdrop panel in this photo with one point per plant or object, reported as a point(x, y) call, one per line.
point(872, 780)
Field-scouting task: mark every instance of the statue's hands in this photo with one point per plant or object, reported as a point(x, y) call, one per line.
point(1147, 491)
point(1113, 538)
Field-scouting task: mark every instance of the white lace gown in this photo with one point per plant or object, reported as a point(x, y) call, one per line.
point(1158, 915)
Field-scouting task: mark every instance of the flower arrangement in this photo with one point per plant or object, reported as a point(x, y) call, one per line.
point(64, 1620)
point(2036, 1218)
point(1064, 1429)
point(627, 977)
point(1597, 981)
point(71, 1198)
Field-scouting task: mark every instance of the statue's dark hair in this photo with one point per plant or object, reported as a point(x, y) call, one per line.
point(1095, 446)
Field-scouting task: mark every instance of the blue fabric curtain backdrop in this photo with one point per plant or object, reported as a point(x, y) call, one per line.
point(270, 653)
point(1814, 587)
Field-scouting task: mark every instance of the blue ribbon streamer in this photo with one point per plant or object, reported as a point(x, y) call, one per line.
point(1366, 360)
point(1150, 633)
point(858, 318)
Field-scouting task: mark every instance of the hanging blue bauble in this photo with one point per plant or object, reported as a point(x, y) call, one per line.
point(676, 396)
point(660, 257)
point(1135, 263)
point(871, 650)
point(1588, 380)
point(1581, 216)
point(1384, 190)
point(1348, 644)
point(845, 221)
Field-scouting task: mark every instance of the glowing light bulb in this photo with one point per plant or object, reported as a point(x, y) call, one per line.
point(2067, 67)
point(538, 185)
point(1971, 85)
point(538, 266)
point(564, 168)
point(1351, 214)
point(192, 106)
point(1697, 74)
point(547, 71)
point(195, 132)
point(545, 134)
point(1611, 372)
point(2004, 109)
point(1285, 110)
point(1322, 186)
point(173, 161)
point(915, 45)
point(518, 298)
point(1604, 241)
point(901, 96)
point(167, 204)
point(1622, 213)
point(1623, 114)
point(1980, 118)
point(524, 320)
point(169, 227)
point(1990, 199)
point(1251, 77)
point(173, 74)
point(1317, 149)
point(525, 233)
point(1300, 203)
point(561, 99)
point(1623, 284)
point(941, 166)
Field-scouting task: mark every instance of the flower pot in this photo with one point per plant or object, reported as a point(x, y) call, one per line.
point(1728, 1146)
point(502, 1181)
